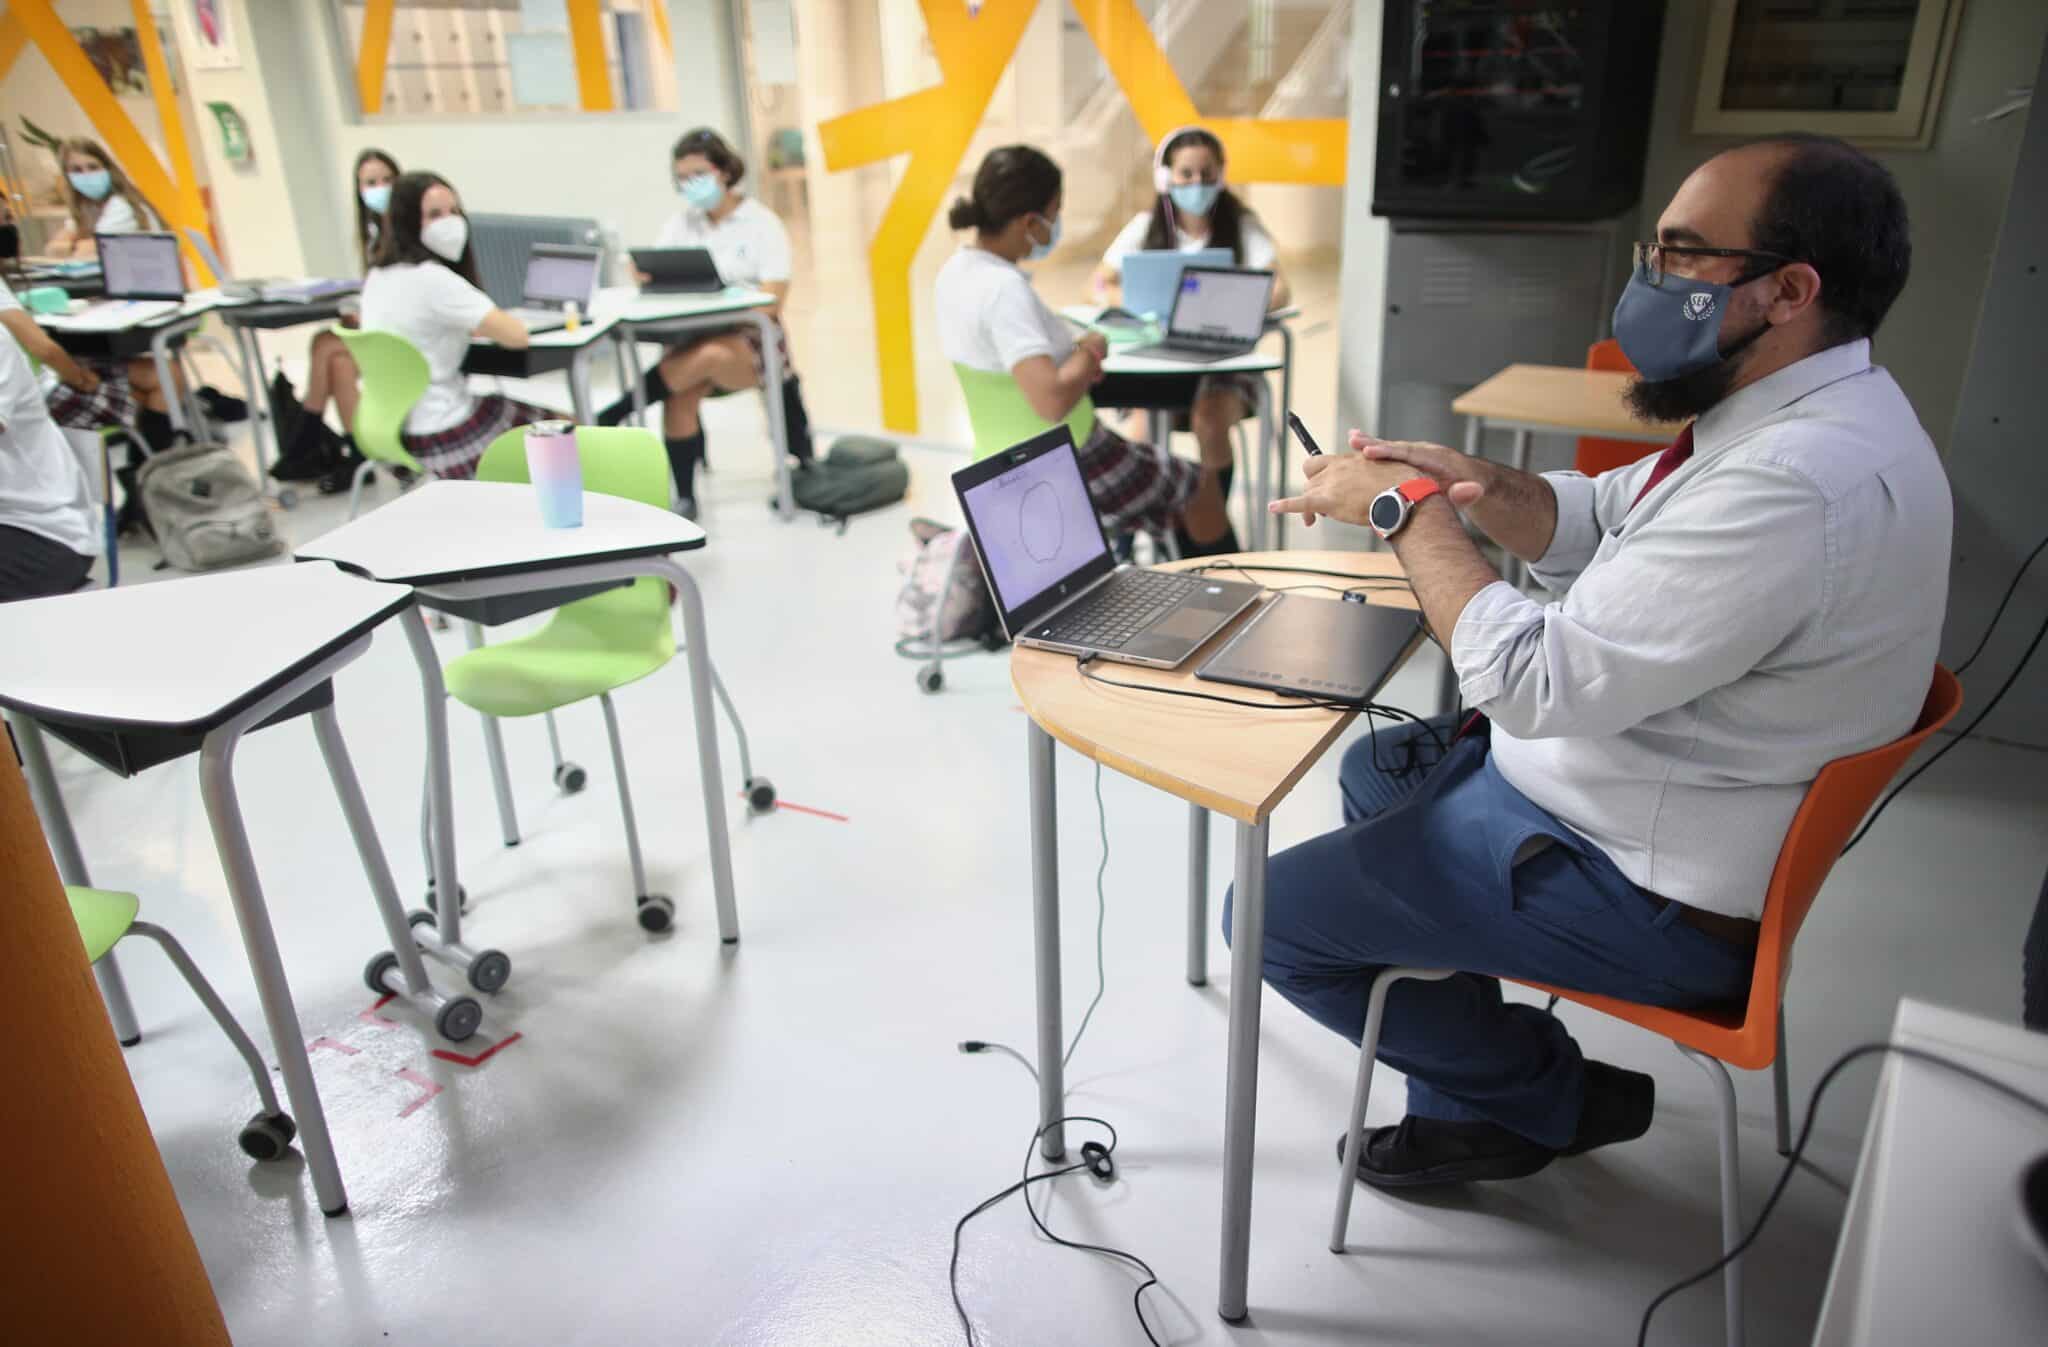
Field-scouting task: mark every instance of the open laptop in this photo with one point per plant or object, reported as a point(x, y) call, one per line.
point(1220, 312)
point(1151, 278)
point(557, 275)
point(678, 271)
point(144, 279)
point(1049, 565)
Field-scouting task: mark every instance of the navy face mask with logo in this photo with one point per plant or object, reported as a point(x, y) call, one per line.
point(1672, 328)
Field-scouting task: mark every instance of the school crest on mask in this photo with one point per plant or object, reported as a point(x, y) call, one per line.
point(1698, 305)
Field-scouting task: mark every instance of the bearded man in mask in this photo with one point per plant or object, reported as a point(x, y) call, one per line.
point(1725, 618)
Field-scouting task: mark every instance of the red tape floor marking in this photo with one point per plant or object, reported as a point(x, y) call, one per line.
point(481, 1057)
point(340, 1047)
point(371, 1016)
point(412, 1077)
point(806, 809)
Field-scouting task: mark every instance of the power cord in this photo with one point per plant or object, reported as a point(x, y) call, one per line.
point(1098, 1159)
point(1943, 751)
point(1982, 641)
point(1792, 1161)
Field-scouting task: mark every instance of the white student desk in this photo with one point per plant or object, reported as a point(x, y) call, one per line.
point(1271, 469)
point(141, 675)
point(155, 338)
point(658, 317)
point(454, 542)
point(546, 353)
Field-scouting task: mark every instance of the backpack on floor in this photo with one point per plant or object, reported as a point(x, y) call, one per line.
point(942, 580)
point(205, 508)
point(855, 476)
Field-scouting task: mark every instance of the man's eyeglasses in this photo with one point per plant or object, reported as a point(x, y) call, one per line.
point(1653, 260)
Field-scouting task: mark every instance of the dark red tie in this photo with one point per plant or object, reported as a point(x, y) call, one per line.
point(1667, 463)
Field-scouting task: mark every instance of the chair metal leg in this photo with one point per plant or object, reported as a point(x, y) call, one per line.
point(1361, 1089)
point(1198, 896)
point(554, 740)
point(356, 810)
point(494, 750)
point(355, 486)
point(1731, 1186)
point(739, 731)
point(1781, 1090)
point(215, 1007)
point(611, 729)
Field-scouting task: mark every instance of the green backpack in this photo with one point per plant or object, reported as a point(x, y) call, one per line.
point(855, 476)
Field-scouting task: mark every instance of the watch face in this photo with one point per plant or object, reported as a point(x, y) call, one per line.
point(1385, 513)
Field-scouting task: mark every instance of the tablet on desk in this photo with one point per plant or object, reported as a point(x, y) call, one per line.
point(672, 271)
point(1321, 648)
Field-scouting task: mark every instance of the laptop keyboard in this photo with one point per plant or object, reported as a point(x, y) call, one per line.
point(1129, 603)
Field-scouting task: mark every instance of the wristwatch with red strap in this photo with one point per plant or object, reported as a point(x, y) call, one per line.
point(1391, 508)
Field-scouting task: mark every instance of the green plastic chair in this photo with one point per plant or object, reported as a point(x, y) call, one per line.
point(1003, 417)
point(593, 646)
point(394, 375)
point(104, 917)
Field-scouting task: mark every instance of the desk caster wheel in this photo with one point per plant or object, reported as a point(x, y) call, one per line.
point(570, 778)
point(491, 970)
point(931, 680)
point(461, 897)
point(288, 499)
point(419, 917)
point(459, 1018)
point(760, 794)
point(382, 965)
point(657, 913)
point(268, 1136)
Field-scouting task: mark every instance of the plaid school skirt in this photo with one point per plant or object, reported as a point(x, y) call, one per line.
point(111, 404)
point(1136, 488)
point(453, 452)
point(752, 336)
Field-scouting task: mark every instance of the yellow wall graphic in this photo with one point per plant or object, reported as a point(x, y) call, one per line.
point(934, 126)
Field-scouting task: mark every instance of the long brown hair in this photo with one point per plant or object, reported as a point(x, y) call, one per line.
point(1226, 217)
point(399, 240)
point(85, 213)
point(366, 223)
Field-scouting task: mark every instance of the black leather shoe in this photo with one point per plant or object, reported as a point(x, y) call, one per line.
point(1424, 1152)
point(1619, 1105)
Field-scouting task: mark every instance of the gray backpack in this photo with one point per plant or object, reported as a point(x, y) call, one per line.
point(856, 475)
point(205, 509)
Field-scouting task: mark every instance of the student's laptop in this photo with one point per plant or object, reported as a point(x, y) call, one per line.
point(144, 280)
point(557, 275)
point(1219, 313)
point(1152, 278)
point(678, 271)
point(1056, 584)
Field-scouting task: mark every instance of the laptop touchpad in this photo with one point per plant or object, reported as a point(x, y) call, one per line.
point(1184, 624)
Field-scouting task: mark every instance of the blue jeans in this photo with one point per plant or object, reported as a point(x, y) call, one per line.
point(1449, 866)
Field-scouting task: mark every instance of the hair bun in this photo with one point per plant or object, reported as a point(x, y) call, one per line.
point(964, 214)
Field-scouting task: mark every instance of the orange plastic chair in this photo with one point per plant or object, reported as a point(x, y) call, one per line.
point(1596, 455)
point(1752, 1035)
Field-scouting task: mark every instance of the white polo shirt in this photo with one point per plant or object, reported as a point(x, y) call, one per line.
point(750, 245)
point(437, 311)
point(42, 488)
point(989, 316)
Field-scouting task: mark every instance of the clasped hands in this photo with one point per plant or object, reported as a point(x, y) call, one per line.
point(1342, 486)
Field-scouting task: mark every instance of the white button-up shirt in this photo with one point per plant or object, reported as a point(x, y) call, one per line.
point(1773, 605)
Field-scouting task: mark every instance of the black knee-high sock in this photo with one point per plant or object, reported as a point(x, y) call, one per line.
point(652, 389)
point(684, 453)
point(156, 429)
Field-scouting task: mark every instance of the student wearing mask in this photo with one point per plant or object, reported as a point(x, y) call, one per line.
point(49, 530)
point(1195, 209)
point(423, 287)
point(99, 197)
point(991, 319)
point(331, 374)
point(748, 243)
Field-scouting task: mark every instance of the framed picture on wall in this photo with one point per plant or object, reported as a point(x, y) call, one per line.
point(206, 34)
point(1869, 71)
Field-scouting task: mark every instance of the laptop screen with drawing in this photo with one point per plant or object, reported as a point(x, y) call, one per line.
point(1219, 305)
point(1035, 525)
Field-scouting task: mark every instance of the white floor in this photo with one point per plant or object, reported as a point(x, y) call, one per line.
point(770, 1143)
